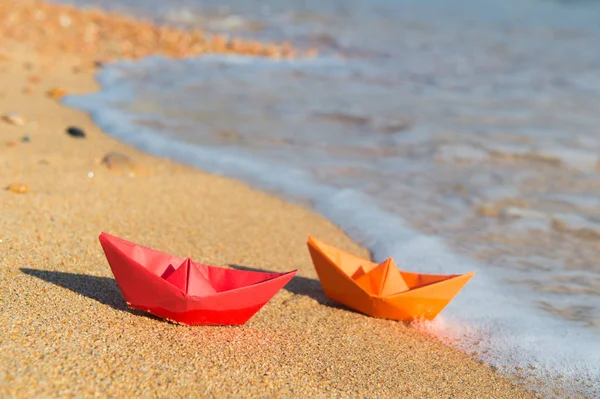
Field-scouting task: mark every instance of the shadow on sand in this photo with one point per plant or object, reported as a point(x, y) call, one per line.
point(301, 286)
point(106, 291)
point(102, 289)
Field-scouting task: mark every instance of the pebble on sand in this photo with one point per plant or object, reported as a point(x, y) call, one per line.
point(75, 132)
point(56, 94)
point(14, 119)
point(394, 126)
point(494, 209)
point(120, 163)
point(18, 188)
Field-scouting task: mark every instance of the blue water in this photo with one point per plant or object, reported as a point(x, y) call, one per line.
point(415, 119)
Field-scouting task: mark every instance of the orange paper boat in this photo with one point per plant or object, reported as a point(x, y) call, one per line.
point(186, 292)
point(382, 290)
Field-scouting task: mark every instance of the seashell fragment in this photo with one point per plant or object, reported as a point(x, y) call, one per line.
point(120, 163)
point(18, 188)
point(56, 94)
point(14, 119)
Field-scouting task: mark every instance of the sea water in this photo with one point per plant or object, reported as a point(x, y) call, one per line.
point(452, 135)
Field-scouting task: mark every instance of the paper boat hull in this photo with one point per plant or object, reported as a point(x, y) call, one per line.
point(425, 302)
point(203, 316)
point(137, 271)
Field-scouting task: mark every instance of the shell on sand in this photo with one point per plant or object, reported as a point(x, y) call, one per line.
point(121, 163)
point(14, 119)
point(56, 94)
point(18, 188)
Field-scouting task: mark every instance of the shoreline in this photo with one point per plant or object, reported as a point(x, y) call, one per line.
point(65, 327)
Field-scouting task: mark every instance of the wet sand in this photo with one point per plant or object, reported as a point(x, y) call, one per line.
point(65, 329)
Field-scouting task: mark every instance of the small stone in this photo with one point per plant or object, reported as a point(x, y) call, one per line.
point(26, 139)
point(56, 94)
point(228, 135)
point(76, 132)
point(576, 224)
point(513, 212)
point(488, 210)
point(494, 209)
point(18, 188)
point(10, 144)
point(346, 119)
point(14, 119)
point(120, 163)
point(81, 68)
point(65, 21)
point(460, 153)
point(394, 126)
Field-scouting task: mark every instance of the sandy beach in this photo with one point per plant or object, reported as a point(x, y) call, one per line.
point(65, 329)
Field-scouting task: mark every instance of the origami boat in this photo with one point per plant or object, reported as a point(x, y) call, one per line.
point(382, 290)
point(183, 291)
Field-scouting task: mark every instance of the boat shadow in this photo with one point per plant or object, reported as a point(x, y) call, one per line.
point(102, 289)
point(301, 286)
point(106, 291)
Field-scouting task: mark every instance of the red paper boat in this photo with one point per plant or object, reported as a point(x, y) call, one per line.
point(184, 291)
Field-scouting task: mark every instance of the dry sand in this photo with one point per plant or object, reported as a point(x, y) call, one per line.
point(65, 329)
